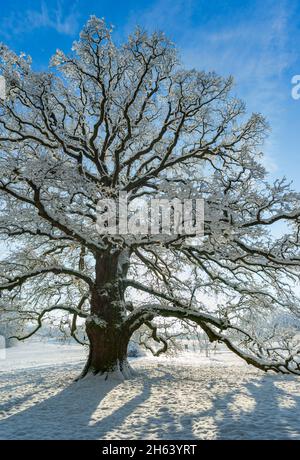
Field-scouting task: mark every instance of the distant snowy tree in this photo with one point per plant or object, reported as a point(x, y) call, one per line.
point(107, 119)
point(5, 333)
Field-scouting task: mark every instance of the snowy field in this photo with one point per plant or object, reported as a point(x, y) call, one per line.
point(190, 397)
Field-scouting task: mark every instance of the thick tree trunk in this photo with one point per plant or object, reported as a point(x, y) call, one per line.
point(107, 336)
point(108, 351)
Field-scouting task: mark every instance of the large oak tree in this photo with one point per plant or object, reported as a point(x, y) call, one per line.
point(108, 118)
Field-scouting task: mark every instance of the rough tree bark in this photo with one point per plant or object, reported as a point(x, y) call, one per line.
point(105, 328)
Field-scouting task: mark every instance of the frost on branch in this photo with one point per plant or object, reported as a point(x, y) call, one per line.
point(109, 118)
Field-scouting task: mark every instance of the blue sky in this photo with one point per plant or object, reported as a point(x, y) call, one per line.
point(258, 42)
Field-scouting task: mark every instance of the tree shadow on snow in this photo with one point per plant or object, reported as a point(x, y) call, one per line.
point(258, 408)
point(59, 416)
point(69, 414)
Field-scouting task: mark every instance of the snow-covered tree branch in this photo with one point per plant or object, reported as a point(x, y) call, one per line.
point(107, 119)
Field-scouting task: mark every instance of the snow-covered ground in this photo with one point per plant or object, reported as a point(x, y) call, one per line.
point(189, 397)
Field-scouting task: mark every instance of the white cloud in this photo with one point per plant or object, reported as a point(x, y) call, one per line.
point(162, 14)
point(253, 46)
point(62, 20)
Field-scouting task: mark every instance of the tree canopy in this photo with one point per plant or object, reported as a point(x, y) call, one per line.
point(110, 118)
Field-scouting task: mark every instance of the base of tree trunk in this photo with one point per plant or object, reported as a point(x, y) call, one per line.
point(121, 370)
point(107, 353)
